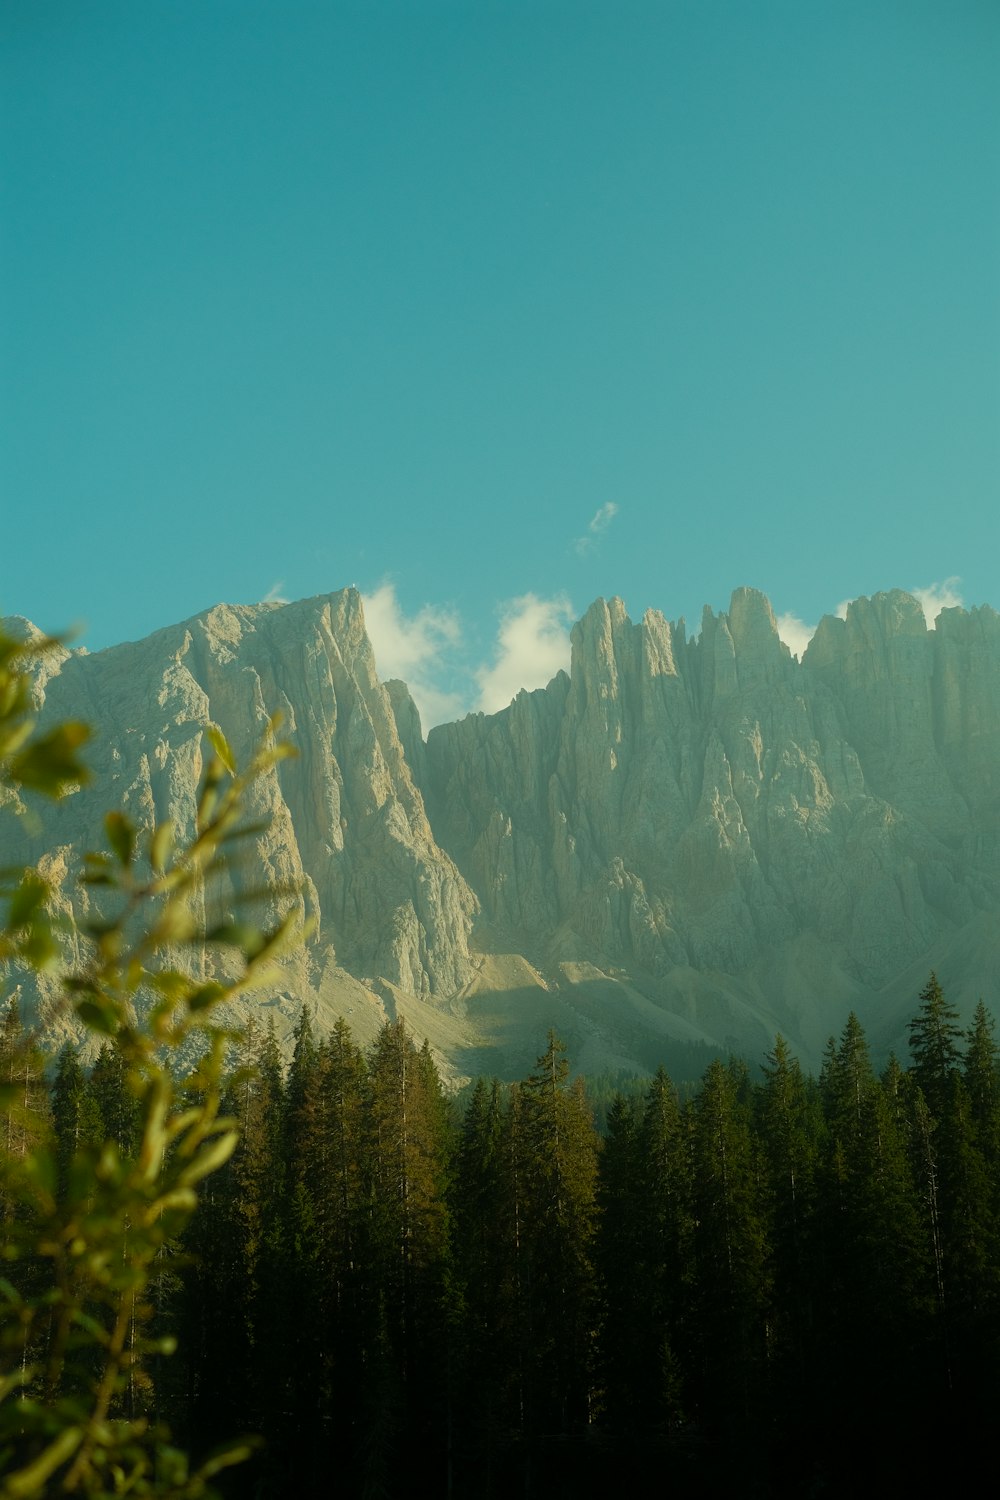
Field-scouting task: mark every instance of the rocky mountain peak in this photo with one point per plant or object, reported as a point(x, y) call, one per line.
point(693, 842)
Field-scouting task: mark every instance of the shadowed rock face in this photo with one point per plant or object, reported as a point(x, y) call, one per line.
point(713, 805)
point(702, 838)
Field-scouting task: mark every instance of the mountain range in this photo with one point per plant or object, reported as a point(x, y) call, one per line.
point(684, 846)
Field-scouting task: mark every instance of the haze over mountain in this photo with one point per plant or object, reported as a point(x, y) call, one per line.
point(698, 841)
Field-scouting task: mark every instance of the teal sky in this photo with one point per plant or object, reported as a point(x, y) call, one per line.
point(469, 302)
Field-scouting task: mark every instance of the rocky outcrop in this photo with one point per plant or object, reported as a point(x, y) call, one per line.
point(345, 835)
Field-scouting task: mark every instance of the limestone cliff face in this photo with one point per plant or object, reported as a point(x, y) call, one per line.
point(699, 841)
point(715, 806)
point(346, 826)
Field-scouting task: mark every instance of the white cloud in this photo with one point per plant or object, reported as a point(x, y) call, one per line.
point(795, 633)
point(415, 648)
point(842, 607)
point(424, 650)
point(404, 643)
point(275, 594)
point(532, 646)
point(598, 523)
point(938, 596)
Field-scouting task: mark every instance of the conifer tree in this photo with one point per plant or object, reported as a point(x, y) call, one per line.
point(729, 1252)
point(934, 1043)
point(982, 1083)
point(258, 1179)
point(618, 1259)
point(110, 1095)
point(485, 1227)
point(25, 1133)
point(789, 1132)
point(873, 1263)
point(301, 1101)
point(233, 1312)
point(665, 1227)
point(339, 1186)
point(68, 1094)
point(408, 1151)
point(955, 1178)
point(846, 1080)
point(24, 1120)
point(330, 1179)
point(643, 1253)
point(560, 1175)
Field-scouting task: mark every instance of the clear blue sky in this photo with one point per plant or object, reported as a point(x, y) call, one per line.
point(408, 292)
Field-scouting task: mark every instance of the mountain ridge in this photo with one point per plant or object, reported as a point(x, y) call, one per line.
point(698, 839)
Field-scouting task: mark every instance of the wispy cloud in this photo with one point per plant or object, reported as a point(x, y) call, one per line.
point(275, 594)
point(415, 648)
point(532, 646)
point(424, 649)
point(598, 524)
point(795, 633)
point(938, 596)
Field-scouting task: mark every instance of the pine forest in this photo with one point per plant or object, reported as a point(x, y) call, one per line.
point(772, 1284)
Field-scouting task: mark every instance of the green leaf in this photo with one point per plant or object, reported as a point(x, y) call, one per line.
point(99, 1015)
point(237, 935)
point(233, 1453)
point(175, 925)
point(78, 984)
point(171, 984)
point(245, 831)
point(50, 764)
point(11, 1382)
point(221, 747)
point(121, 836)
point(39, 947)
point(161, 846)
point(26, 899)
point(206, 995)
point(213, 1154)
point(30, 1480)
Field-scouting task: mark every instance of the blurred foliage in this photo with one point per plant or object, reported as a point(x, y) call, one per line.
point(81, 1246)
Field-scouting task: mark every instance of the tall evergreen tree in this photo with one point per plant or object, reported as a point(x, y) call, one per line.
point(76, 1117)
point(955, 1178)
point(935, 1036)
point(872, 1265)
point(560, 1176)
point(790, 1129)
point(110, 1093)
point(336, 1174)
point(982, 1083)
point(845, 1084)
point(409, 1147)
point(666, 1224)
point(235, 1316)
point(485, 1228)
point(24, 1104)
point(730, 1254)
point(618, 1258)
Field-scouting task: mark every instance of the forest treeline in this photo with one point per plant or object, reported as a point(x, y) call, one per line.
point(778, 1281)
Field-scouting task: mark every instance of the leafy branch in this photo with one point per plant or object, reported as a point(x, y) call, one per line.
point(76, 1314)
